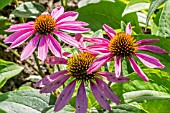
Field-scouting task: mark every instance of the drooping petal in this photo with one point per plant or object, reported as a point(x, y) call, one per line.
point(31, 46)
point(149, 61)
point(137, 69)
point(81, 99)
point(19, 27)
point(99, 95)
point(54, 84)
point(72, 23)
point(107, 90)
point(99, 62)
point(66, 38)
point(43, 48)
point(97, 40)
point(21, 39)
point(55, 60)
point(11, 38)
point(154, 49)
point(65, 96)
point(57, 12)
point(67, 16)
point(147, 41)
point(112, 78)
point(118, 67)
point(110, 32)
point(54, 46)
point(73, 29)
point(128, 29)
point(48, 79)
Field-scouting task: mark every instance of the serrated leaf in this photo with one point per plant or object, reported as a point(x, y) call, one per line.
point(26, 101)
point(164, 23)
point(29, 10)
point(153, 6)
point(4, 3)
point(136, 5)
point(106, 12)
point(8, 70)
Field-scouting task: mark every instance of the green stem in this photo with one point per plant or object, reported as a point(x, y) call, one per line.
point(17, 55)
point(38, 65)
point(20, 18)
point(49, 69)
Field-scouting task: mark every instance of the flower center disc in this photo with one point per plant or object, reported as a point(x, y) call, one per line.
point(78, 65)
point(44, 24)
point(123, 45)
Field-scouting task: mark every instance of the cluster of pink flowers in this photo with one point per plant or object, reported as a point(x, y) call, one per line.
point(83, 67)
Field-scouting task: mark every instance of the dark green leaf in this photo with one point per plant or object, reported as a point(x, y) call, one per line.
point(106, 12)
point(4, 24)
point(4, 3)
point(29, 10)
point(164, 23)
point(8, 70)
point(25, 101)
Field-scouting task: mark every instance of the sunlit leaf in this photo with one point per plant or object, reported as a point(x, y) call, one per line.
point(29, 10)
point(4, 3)
point(8, 70)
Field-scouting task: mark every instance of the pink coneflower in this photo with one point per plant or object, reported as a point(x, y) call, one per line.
point(42, 30)
point(123, 45)
point(77, 67)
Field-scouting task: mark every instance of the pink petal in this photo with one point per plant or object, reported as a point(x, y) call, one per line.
point(97, 40)
point(99, 62)
point(137, 69)
point(81, 99)
point(11, 38)
point(78, 37)
point(149, 61)
point(129, 29)
point(118, 67)
point(48, 79)
point(107, 90)
point(73, 29)
point(72, 23)
point(154, 49)
point(147, 41)
point(43, 48)
point(112, 78)
point(57, 12)
point(21, 39)
point(109, 31)
point(100, 96)
point(67, 16)
point(54, 46)
point(65, 96)
point(31, 46)
point(54, 84)
point(55, 60)
point(66, 38)
point(19, 27)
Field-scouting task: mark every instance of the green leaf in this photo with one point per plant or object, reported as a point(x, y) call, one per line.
point(29, 10)
point(4, 24)
point(8, 70)
point(66, 109)
point(26, 101)
point(153, 6)
point(156, 106)
point(106, 12)
point(136, 5)
point(125, 108)
point(4, 3)
point(164, 23)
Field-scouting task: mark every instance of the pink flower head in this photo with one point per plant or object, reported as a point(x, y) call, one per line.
point(123, 45)
point(42, 30)
point(77, 67)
